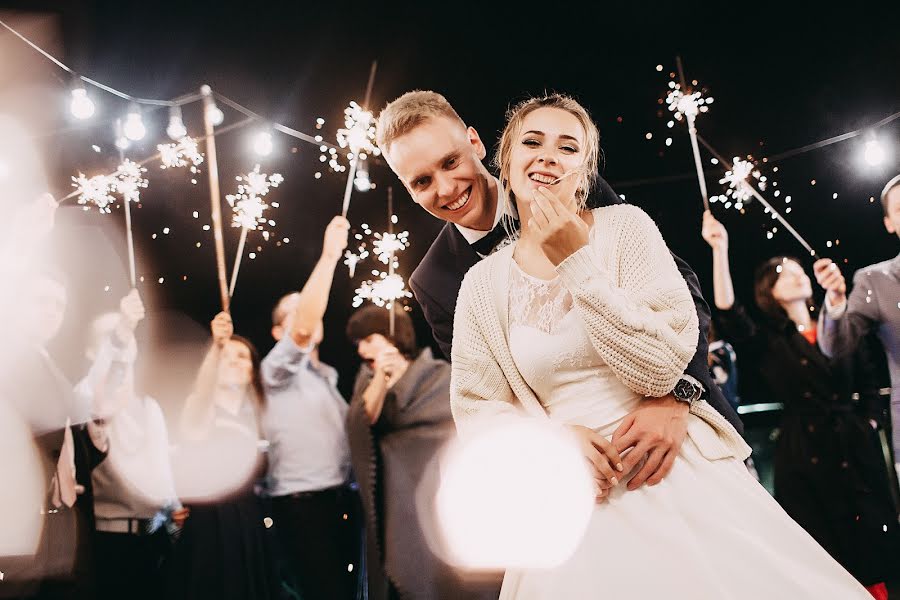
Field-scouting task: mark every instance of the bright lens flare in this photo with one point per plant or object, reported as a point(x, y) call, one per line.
point(524, 480)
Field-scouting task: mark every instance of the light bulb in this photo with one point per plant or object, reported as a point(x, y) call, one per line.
point(874, 153)
point(133, 128)
point(262, 143)
point(216, 116)
point(82, 106)
point(176, 129)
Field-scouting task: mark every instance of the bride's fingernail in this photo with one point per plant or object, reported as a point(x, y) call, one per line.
point(614, 481)
point(619, 467)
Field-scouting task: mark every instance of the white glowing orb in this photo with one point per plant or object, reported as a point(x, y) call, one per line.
point(874, 153)
point(176, 129)
point(82, 106)
point(262, 143)
point(134, 128)
point(216, 116)
point(516, 495)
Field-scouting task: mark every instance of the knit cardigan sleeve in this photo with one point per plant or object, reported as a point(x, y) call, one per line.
point(632, 300)
point(478, 387)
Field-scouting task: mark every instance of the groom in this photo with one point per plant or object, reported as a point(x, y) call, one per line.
point(439, 161)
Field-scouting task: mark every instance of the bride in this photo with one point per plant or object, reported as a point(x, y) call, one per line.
point(579, 320)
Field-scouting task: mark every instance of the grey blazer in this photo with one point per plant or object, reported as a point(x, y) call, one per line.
point(873, 305)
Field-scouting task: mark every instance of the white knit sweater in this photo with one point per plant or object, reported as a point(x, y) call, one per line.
point(633, 302)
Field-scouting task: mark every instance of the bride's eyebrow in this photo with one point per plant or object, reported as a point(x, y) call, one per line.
point(562, 136)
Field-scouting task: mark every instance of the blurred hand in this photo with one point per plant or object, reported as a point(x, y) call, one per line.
point(391, 364)
point(714, 233)
point(180, 516)
point(222, 328)
point(832, 280)
point(335, 241)
point(603, 459)
point(131, 309)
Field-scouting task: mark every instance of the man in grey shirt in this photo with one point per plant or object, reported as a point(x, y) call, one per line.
point(874, 305)
point(309, 455)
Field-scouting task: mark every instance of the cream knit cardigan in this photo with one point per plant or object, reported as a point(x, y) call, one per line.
point(634, 304)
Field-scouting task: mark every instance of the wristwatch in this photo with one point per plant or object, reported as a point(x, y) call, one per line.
point(687, 389)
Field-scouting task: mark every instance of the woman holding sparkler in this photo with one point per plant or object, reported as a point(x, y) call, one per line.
point(829, 472)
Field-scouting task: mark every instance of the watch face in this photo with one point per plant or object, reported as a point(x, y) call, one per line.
point(683, 390)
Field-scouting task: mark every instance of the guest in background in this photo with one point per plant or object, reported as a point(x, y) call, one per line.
point(829, 472)
point(223, 551)
point(70, 443)
point(313, 507)
point(134, 483)
point(399, 421)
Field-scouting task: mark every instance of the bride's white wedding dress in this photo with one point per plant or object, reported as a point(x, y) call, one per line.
point(708, 531)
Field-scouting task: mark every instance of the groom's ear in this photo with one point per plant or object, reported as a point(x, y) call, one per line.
point(477, 144)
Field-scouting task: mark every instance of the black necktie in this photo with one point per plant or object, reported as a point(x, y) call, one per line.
point(501, 231)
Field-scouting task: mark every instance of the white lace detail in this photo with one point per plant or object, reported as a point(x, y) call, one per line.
point(537, 303)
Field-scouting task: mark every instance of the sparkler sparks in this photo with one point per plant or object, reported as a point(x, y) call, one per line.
point(247, 204)
point(96, 190)
point(686, 105)
point(180, 154)
point(129, 180)
point(387, 244)
point(739, 187)
point(358, 133)
point(382, 292)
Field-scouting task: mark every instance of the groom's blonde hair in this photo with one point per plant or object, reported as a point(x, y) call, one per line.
point(408, 112)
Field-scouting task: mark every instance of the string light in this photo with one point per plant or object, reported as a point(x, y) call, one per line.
point(176, 129)
point(134, 128)
point(215, 114)
point(81, 106)
point(262, 143)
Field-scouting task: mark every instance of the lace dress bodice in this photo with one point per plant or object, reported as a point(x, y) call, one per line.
point(555, 356)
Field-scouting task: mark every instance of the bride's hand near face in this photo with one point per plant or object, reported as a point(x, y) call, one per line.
point(602, 457)
point(561, 231)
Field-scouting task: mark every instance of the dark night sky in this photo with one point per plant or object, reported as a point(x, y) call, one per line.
point(781, 78)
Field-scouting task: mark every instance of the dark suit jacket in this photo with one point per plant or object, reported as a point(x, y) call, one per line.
point(437, 279)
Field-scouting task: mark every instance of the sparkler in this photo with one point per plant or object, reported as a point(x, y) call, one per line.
point(686, 106)
point(358, 135)
point(745, 185)
point(249, 210)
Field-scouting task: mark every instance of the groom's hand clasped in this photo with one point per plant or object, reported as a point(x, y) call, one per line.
point(656, 430)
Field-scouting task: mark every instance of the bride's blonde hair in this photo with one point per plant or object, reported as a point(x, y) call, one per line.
point(587, 178)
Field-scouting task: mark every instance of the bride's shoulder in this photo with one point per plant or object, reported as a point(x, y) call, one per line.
point(621, 217)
